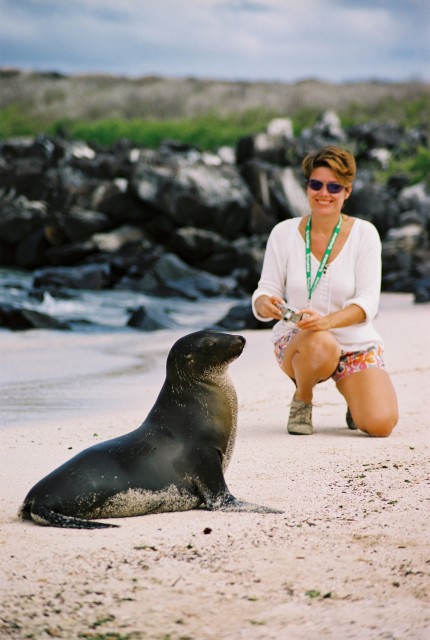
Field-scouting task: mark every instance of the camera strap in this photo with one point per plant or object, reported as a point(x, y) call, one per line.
point(312, 285)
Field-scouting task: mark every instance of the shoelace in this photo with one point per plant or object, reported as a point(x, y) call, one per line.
point(302, 411)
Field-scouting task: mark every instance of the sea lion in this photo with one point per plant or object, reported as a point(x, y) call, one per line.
point(174, 461)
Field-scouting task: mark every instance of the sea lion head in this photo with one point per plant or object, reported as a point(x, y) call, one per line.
point(204, 352)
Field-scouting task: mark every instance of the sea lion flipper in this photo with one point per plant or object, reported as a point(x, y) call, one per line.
point(227, 502)
point(217, 497)
point(250, 507)
point(45, 516)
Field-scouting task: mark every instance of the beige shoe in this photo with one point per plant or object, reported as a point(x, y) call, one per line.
point(300, 419)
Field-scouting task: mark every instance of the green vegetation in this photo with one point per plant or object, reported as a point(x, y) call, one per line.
point(416, 166)
point(209, 131)
point(14, 121)
point(407, 113)
point(314, 593)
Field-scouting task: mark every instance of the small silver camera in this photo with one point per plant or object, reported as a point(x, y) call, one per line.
point(289, 314)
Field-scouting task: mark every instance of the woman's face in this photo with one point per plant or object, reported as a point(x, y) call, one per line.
point(323, 202)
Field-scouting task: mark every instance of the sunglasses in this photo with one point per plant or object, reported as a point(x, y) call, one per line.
point(332, 187)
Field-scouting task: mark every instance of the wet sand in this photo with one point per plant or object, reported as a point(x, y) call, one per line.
point(348, 558)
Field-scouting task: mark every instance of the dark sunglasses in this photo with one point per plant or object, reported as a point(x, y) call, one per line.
point(332, 187)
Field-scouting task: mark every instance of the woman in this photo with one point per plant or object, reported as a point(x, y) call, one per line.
point(328, 266)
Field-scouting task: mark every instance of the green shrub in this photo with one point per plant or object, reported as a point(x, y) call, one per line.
point(14, 122)
point(208, 132)
point(212, 130)
point(417, 167)
point(407, 113)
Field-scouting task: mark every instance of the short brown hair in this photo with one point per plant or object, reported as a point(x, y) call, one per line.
point(340, 161)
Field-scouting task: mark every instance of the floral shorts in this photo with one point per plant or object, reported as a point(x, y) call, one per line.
point(349, 362)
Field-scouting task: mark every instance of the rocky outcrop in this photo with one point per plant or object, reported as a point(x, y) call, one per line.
point(179, 222)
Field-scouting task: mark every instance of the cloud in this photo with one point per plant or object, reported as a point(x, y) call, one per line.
point(237, 39)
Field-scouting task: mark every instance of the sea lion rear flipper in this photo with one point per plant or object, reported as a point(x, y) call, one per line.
point(45, 516)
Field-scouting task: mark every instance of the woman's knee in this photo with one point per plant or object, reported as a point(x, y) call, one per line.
point(379, 425)
point(372, 401)
point(320, 346)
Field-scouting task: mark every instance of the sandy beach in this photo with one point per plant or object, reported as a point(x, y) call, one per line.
point(349, 557)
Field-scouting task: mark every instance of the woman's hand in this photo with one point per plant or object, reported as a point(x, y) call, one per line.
point(313, 321)
point(266, 307)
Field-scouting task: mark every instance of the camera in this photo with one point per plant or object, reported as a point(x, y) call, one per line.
point(289, 314)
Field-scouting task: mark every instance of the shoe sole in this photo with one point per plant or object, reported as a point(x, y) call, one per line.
point(306, 431)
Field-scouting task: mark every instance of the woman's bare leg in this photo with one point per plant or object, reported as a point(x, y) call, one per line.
point(310, 356)
point(372, 401)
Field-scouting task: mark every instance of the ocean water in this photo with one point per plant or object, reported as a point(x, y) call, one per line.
point(49, 376)
point(109, 309)
point(53, 375)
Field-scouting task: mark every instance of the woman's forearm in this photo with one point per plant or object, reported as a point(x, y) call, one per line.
point(352, 314)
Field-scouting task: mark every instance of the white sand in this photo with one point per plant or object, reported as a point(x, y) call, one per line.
point(349, 558)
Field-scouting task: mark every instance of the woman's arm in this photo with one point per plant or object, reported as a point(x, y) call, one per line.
point(368, 269)
point(271, 286)
point(312, 320)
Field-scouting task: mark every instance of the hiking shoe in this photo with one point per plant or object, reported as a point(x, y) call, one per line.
point(300, 418)
point(350, 421)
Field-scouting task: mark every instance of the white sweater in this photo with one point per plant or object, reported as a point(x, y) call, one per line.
point(353, 277)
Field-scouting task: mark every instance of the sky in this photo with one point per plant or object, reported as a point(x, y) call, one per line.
point(237, 40)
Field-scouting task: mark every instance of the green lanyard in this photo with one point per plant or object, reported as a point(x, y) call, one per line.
point(312, 285)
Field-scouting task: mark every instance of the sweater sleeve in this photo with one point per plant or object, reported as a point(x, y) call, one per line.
point(273, 273)
point(367, 271)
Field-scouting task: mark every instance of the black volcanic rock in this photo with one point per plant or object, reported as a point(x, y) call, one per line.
point(180, 222)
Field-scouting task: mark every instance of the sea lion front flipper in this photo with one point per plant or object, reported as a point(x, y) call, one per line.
point(228, 502)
